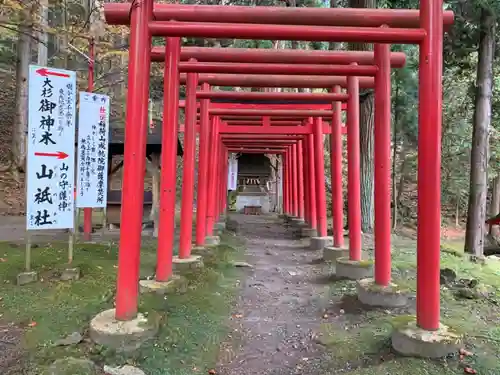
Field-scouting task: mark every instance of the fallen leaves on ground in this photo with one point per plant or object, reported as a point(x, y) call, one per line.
point(465, 353)
point(469, 370)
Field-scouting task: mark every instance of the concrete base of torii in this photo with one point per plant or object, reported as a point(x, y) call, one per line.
point(308, 232)
point(297, 222)
point(220, 226)
point(212, 241)
point(183, 265)
point(122, 336)
point(372, 294)
point(162, 287)
point(410, 340)
point(319, 243)
point(331, 253)
point(353, 269)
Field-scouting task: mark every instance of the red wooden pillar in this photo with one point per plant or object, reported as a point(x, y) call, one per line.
point(134, 165)
point(382, 162)
point(284, 183)
point(286, 166)
point(201, 200)
point(319, 168)
point(212, 173)
point(305, 174)
point(353, 178)
point(168, 179)
point(312, 181)
point(429, 165)
point(188, 168)
point(300, 179)
point(221, 182)
point(336, 173)
point(218, 183)
point(218, 159)
point(289, 180)
point(295, 187)
point(87, 212)
point(281, 184)
point(225, 161)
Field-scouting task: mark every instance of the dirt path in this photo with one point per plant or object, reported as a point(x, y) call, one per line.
point(11, 353)
point(280, 309)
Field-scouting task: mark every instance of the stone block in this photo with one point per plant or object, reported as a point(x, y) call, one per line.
point(353, 269)
point(27, 278)
point(212, 240)
point(331, 254)
point(319, 243)
point(371, 294)
point(122, 335)
point(308, 232)
point(410, 340)
point(161, 287)
point(182, 265)
point(220, 226)
point(71, 274)
point(297, 222)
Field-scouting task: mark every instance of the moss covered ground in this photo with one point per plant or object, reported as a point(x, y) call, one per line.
point(193, 322)
point(358, 342)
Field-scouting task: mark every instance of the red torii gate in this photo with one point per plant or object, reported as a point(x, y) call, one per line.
point(402, 26)
point(245, 110)
point(299, 207)
point(276, 56)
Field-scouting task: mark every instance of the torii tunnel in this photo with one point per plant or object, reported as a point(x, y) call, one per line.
point(259, 122)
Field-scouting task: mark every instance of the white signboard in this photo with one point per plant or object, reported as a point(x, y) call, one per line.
point(51, 149)
point(232, 173)
point(93, 133)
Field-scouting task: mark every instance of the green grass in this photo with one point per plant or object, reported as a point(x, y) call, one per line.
point(359, 343)
point(193, 323)
point(405, 366)
point(97, 216)
point(56, 307)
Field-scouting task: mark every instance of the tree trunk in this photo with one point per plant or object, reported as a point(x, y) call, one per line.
point(366, 161)
point(153, 168)
point(495, 205)
point(394, 163)
point(123, 71)
point(332, 46)
point(366, 127)
point(21, 111)
point(394, 190)
point(63, 40)
point(276, 44)
point(403, 156)
point(42, 35)
point(476, 214)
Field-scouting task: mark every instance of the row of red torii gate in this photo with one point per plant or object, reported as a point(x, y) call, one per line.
point(294, 131)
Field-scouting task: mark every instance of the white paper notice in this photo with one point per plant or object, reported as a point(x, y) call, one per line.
point(51, 149)
point(93, 145)
point(232, 173)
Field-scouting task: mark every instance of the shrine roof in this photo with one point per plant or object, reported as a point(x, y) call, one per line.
point(117, 139)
